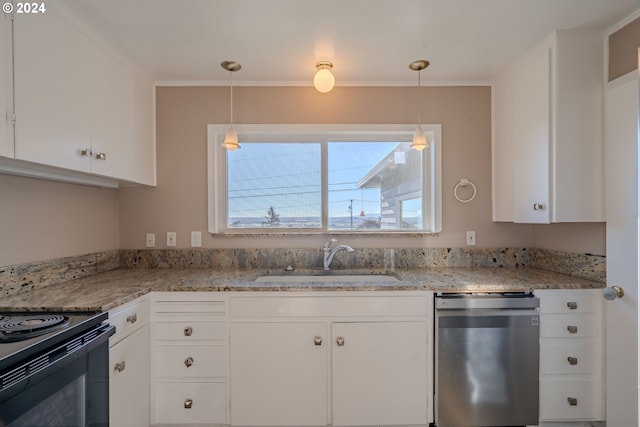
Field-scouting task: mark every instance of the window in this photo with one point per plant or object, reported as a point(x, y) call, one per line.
point(318, 179)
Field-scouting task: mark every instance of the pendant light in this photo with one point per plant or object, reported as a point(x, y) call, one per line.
point(231, 137)
point(324, 81)
point(419, 138)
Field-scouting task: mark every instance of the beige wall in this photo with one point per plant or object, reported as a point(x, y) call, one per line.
point(623, 50)
point(41, 220)
point(179, 202)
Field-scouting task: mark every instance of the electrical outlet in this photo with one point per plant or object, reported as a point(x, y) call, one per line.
point(151, 240)
point(171, 238)
point(196, 239)
point(471, 238)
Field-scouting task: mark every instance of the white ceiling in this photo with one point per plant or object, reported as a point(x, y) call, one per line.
point(368, 41)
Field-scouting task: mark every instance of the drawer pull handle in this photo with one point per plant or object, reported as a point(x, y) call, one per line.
point(317, 341)
point(572, 305)
point(188, 331)
point(572, 329)
point(572, 401)
point(188, 362)
point(572, 360)
point(538, 206)
point(188, 403)
point(101, 156)
point(340, 341)
point(132, 318)
point(119, 367)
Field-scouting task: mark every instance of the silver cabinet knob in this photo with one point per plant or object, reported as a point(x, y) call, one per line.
point(572, 305)
point(612, 292)
point(188, 331)
point(572, 360)
point(119, 367)
point(101, 156)
point(572, 401)
point(188, 403)
point(188, 362)
point(572, 329)
point(132, 318)
point(317, 340)
point(538, 206)
point(340, 341)
point(85, 152)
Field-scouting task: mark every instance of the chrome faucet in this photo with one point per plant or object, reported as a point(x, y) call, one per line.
point(330, 253)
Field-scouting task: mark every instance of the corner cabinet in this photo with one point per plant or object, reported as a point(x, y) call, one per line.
point(129, 364)
point(79, 106)
point(547, 145)
point(331, 360)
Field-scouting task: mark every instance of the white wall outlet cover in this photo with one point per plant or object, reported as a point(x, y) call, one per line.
point(196, 239)
point(471, 238)
point(151, 240)
point(171, 238)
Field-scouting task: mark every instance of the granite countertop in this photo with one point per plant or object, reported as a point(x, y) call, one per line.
point(105, 291)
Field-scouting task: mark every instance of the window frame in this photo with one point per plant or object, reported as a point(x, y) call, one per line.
point(217, 170)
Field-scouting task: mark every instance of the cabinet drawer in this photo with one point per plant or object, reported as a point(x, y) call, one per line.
point(565, 326)
point(128, 318)
point(191, 361)
point(319, 306)
point(557, 396)
point(216, 308)
point(190, 331)
point(207, 401)
point(569, 358)
point(577, 301)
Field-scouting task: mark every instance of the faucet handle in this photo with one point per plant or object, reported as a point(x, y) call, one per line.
point(328, 244)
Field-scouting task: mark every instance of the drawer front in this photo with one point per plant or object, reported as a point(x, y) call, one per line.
point(564, 326)
point(189, 361)
point(319, 306)
point(128, 318)
point(190, 331)
point(186, 403)
point(567, 302)
point(214, 308)
point(569, 358)
point(570, 399)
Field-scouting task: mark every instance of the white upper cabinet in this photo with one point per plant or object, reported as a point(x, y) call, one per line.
point(6, 84)
point(52, 91)
point(547, 145)
point(79, 106)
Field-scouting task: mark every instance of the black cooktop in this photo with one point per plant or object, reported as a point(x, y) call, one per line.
point(25, 334)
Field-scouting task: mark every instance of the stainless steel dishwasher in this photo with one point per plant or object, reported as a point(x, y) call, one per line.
point(486, 361)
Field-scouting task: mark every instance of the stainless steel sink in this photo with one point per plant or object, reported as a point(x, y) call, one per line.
point(327, 278)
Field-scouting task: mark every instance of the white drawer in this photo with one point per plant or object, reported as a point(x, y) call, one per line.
point(208, 403)
point(321, 306)
point(216, 308)
point(191, 361)
point(556, 399)
point(128, 318)
point(190, 331)
point(569, 358)
point(567, 302)
point(565, 326)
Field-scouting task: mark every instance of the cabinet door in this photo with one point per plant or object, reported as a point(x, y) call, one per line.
point(278, 374)
point(531, 138)
point(379, 373)
point(129, 384)
point(52, 91)
point(113, 126)
point(6, 84)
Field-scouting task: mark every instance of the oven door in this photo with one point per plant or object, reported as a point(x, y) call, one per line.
point(71, 390)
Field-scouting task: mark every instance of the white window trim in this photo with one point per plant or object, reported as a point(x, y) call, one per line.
point(216, 190)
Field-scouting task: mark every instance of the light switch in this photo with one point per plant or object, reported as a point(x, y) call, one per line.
point(171, 238)
point(196, 239)
point(471, 238)
point(151, 240)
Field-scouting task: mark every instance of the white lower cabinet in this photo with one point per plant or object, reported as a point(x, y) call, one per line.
point(571, 355)
point(129, 365)
point(189, 358)
point(331, 360)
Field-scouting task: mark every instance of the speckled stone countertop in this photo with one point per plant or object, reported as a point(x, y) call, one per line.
point(107, 290)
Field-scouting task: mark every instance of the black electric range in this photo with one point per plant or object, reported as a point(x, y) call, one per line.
point(25, 334)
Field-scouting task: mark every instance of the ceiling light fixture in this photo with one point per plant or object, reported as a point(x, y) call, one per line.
point(419, 138)
point(324, 80)
point(231, 137)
